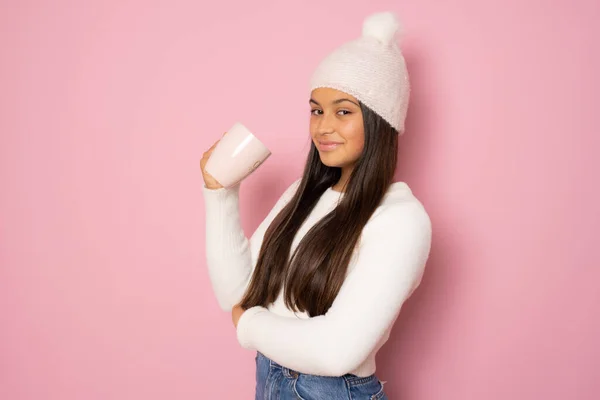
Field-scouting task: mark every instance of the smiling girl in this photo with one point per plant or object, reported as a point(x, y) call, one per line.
point(317, 288)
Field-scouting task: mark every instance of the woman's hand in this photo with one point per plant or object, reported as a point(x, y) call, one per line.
point(236, 313)
point(209, 181)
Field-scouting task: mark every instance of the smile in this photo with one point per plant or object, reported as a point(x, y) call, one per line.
point(328, 146)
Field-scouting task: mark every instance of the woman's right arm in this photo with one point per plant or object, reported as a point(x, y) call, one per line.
point(230, 256)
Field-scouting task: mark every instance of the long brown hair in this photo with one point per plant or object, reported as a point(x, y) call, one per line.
point(313, 275)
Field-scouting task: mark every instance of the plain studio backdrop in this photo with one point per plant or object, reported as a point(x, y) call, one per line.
point(107, 106)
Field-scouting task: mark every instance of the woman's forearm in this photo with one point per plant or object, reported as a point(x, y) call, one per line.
point(228, 253)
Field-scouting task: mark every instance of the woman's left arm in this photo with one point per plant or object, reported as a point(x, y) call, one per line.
point(394, 249)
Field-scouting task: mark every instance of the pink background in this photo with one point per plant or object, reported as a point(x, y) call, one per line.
point(107, 107)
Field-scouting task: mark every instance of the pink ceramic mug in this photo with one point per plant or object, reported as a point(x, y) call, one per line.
point(236, 156)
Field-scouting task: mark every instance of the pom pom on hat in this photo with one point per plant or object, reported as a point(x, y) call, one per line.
point(381, 26)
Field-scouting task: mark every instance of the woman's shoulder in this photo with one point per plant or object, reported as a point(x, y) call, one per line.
point(399, 209)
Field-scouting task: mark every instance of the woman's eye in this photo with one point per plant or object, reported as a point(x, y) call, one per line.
point(320, 112)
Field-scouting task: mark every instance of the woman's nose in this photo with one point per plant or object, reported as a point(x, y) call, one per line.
point(326, 125)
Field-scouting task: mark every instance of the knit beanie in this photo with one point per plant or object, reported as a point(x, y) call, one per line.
point(370, 68)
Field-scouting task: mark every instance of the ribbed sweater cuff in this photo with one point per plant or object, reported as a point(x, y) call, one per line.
point(223, 226)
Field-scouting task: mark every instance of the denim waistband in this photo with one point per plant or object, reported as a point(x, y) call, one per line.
point(290, 373)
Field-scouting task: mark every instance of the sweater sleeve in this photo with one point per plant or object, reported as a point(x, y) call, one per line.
point(393, 251)
point(229, 255)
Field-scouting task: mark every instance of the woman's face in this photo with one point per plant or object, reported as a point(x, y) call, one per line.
point(336, 127)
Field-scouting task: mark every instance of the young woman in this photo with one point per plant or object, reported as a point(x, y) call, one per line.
point(317, 288)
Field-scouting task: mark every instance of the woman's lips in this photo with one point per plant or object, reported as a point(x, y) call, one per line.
point(328, 146)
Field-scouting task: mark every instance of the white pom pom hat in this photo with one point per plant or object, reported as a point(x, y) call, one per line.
point(370, 68)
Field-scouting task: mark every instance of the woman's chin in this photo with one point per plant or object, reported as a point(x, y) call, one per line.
point(330, 161)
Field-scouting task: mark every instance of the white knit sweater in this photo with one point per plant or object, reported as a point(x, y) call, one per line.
point(382, 274)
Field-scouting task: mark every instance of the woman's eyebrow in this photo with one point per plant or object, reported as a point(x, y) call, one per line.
point(335, 101)
point(342, 100)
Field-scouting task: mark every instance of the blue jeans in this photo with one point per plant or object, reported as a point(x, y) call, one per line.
point(275, 382)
